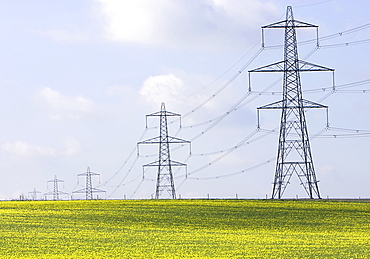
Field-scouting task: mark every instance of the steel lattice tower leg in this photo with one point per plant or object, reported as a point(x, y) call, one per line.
point(56, 192)
point(165, 181)
point(164, 176)
point(294, 151)
point(89, 195)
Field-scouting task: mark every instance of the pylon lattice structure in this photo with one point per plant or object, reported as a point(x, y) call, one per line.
point(89, 190)
point(34, 194)
point(294, 152)
point(55, 191)
point(165, 181)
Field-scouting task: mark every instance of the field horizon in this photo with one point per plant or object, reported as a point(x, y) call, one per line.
point(186, 228)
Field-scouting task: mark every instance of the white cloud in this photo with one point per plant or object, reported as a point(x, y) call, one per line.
point(162, 88)
point(132, 21)
point(24, 149)
point(251, 13)
point(72, 147)
point(184, 22)
point(63, 106)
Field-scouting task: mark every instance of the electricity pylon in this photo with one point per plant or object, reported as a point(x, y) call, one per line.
point(88, 190)
point(55, 191)
point(34, 194)
point(165, 181)
point(294, 152)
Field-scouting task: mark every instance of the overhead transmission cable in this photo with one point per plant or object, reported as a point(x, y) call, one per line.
point(236, 106)
point(228, 82)
point(317, 135)
point(125, 162)
point(198, 107)
point(306, 5)
point(332, 36)
point(249, 168)
point(224, 85)
point(219, 77)
point(218, 119)
point(323, 89)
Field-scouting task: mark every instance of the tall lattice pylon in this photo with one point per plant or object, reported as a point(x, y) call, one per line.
point(294, 152)
point(165, 181)
point(56, 192)
point(89, 189)
point(34, 194)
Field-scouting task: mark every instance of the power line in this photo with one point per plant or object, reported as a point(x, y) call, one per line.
point(352, 133)
point(235, 173)
point(316, 135)
point(345, 44)
point(124, 178)
point(224, 85)
point(216, 120)
point(329, 37)
point(306, 5)
point(219, 77)
point(223, 155)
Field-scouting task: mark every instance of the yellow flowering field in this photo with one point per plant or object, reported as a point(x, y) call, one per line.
point(185, 229)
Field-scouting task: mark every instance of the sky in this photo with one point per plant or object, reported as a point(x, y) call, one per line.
point(78, 77)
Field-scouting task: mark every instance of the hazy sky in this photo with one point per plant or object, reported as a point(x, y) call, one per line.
point(77, 78)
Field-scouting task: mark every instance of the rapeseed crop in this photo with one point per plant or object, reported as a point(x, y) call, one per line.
point(184, 229)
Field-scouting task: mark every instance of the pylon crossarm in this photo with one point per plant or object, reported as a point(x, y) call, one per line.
point(80, 191)
point(176, 140)
point(311, 104)
point(303, 66)
point(158, 140)
point(154, 140)
point(274, 67)
point(284, 24)
point(307, 66)
point(97, 190)
point(55, 181)
point(306, 104)
point(90, 173)
point(170, 163)
point(274, 105)
point(163, 113)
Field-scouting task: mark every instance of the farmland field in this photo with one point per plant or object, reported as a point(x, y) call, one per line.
point(185, 229)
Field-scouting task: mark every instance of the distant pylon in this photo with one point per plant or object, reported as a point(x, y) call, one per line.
point(89, 190)
point(34, 194)
point(294, 152)
point(165, 181)
point(55, 191)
